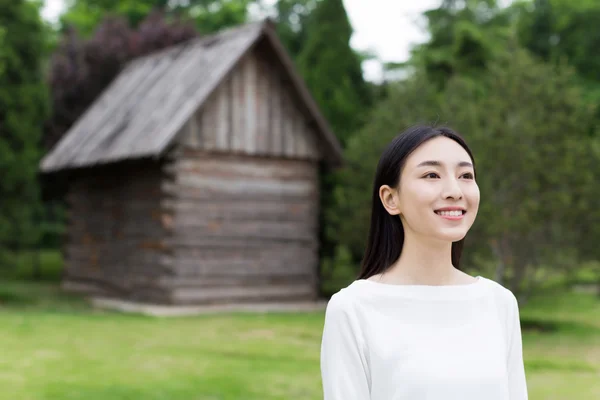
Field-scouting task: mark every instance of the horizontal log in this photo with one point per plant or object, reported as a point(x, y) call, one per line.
point(175, 191)
point(206, 242)
point(265, 187)
point(147, 258)
point(236, 166)
point(232, 282)
point(127, 245)
point(119, 232)
point(285, 250)
point(291, 230)
point(242, 209)
point(244, 268)
point(256, 293)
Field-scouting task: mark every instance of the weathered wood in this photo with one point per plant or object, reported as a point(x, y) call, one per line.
point(227, 165)
point(256, 268)
point(262, 107)
point(249, 210)
point(286, 230)
point(255, 293)
point(226, 281)
point(117, 227)
point(253, 112)
point(146, 107)
point(222, 242)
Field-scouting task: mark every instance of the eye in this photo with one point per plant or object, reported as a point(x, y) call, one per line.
point(468, 175)
point(431, 175)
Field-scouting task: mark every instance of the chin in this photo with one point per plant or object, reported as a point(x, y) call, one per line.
point(452, 236)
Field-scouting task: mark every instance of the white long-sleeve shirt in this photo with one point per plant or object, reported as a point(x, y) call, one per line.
point(417, 342)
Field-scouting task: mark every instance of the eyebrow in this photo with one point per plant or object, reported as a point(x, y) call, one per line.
point(432, 163)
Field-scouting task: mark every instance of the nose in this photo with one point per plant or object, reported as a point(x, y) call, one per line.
point(452, 190)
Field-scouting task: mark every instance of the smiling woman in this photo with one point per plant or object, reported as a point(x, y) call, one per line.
point(413, 326)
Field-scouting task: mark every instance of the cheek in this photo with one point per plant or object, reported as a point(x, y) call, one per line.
point(472, 194)
point(418, 197)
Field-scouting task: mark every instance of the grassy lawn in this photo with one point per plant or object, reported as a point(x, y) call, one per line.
point(54, 347)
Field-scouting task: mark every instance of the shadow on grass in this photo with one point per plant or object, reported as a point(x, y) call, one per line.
point(555, 365)
point(23, 296)
point(550, 326)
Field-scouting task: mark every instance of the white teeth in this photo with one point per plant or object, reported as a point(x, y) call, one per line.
point(449, 213)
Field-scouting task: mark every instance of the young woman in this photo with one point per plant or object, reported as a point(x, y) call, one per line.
point(412, 326)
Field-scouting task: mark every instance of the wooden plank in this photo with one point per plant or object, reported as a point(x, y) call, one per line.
point(238, 105)
point(223, 130)
point(210, 122)
point(263, 109)
point(199, 128)
point(288, 132)
point(249, 70)
point(278, 121)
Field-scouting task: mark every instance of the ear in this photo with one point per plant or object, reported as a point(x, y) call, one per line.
point(389, 199)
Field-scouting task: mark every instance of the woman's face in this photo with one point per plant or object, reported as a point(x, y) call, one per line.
point(437, 195)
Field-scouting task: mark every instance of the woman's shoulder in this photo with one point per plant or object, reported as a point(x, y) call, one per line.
point(501, 292)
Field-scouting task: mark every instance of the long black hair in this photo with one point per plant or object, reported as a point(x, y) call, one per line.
point(386, 233)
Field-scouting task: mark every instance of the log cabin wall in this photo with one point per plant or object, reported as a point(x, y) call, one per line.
point(245, 195)
point(117, 230)
point(244, 229)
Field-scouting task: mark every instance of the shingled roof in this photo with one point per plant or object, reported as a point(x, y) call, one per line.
point(146, 105)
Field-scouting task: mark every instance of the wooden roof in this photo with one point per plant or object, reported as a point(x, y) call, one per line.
point(143, 109)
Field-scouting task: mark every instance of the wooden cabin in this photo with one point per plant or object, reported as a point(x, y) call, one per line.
point(194, 177)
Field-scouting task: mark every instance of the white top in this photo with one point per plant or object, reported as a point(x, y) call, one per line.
point(418, 342)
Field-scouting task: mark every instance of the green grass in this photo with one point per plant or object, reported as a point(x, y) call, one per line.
point(55, 347)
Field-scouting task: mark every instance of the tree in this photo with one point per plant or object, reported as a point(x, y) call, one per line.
point(208, 15)
point(333, 70)
point(23, 107)
point(464, 37)
point(292, 19)
point(526, 121)
point(82, 68)
point(559, 30)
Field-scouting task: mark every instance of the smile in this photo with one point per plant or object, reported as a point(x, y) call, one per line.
point(453, 215)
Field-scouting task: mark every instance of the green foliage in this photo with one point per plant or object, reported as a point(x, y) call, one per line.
point(208, 15)
point(559, 30)
point(332, 70)
point(465, 36)
point(23, 107)
point(292, 20)
point(525, 121)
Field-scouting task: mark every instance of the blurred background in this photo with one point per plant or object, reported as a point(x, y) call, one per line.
point(519, 80)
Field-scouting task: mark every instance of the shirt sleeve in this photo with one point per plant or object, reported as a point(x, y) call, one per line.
point(344, 367)
point(515, 364)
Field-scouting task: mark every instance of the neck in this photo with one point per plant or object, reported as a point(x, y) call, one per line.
point(424, 262)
